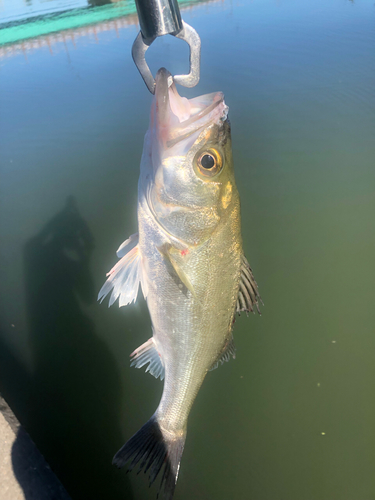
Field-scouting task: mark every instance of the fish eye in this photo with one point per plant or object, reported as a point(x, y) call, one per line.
point(209, 162)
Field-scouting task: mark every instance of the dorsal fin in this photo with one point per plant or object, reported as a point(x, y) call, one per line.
point(248, 295)
point(229, 352)
point(147, 353)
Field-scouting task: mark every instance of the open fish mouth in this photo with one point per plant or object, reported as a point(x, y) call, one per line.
point(175, 118)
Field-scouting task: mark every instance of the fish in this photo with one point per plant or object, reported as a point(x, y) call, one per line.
point(188, 260)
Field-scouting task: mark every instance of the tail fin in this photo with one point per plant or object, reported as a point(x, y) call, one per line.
point(153, 449)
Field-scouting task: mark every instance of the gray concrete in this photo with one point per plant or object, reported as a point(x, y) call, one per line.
point(24, 474)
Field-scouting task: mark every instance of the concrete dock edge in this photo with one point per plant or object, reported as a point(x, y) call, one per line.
point(24, 473)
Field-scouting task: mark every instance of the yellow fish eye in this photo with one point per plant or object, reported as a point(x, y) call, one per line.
point(209, 162)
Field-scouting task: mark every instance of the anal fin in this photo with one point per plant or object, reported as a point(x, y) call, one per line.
point(147, 353)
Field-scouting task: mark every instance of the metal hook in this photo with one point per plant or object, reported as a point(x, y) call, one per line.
point(161, 17)
point(191, 37)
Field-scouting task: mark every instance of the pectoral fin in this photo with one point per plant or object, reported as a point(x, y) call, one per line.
point(248, 295)
point(125, 276)
point(170, 254)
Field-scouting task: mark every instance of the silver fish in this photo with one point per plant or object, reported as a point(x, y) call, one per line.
point(188, 258)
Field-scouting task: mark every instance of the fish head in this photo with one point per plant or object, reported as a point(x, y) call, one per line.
point(191, 184)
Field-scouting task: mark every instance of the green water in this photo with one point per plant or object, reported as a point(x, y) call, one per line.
point(293, 417)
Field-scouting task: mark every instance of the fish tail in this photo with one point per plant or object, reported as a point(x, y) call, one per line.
point(151, 449)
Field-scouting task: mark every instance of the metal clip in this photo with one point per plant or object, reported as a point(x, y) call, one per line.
point(161, 17)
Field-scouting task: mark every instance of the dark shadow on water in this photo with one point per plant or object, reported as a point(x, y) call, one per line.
point(75, 393)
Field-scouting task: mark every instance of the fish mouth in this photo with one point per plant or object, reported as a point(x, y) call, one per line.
point(177, 118)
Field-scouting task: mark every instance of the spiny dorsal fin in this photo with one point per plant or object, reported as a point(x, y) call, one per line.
point(230, 351)
point(124, 278)
point(248, 295)
point(147, 353)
